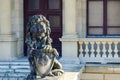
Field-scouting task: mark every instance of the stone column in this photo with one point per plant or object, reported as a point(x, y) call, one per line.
point(69, 18)
point(5, 16)
point(69, 38)
point(17, 16)
point(7, 40)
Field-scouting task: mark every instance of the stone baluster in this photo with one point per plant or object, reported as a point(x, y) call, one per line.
point(92, 49)
point(116, 50)
point(80, 49)
point(98, 49)
point(86, 49)
point(104, 49)
point(109, 50)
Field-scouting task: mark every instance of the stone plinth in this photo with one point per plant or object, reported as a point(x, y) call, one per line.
point(65, 76)
point(52, 78)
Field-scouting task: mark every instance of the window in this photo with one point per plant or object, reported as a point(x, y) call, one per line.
point(103, 17)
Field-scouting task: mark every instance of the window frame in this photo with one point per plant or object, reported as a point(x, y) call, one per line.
point(105, 25)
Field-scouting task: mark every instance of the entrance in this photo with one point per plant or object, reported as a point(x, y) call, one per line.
point(52, 10)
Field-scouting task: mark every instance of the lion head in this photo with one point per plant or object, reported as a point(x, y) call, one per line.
point(38, 27)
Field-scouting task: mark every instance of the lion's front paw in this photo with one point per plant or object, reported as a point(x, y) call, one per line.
point(50, 50)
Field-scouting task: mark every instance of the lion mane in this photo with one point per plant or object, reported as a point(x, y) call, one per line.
point(35, 20)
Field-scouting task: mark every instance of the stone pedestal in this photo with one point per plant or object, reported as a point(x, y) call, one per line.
point(52, 78)
point(65, 76)
point(69, 47)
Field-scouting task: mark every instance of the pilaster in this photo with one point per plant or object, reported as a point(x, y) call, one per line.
point(69, 38)
point(8, 38)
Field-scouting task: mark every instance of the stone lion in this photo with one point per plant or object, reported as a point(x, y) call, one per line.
point(38, 41)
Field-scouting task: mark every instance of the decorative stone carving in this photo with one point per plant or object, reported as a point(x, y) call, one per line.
point(41, 54)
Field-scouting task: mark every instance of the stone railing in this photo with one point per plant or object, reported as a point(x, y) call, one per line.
point(103, 50)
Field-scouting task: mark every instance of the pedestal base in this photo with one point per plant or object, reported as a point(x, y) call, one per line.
point(52, 78)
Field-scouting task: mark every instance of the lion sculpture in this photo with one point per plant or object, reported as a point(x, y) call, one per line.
point(40, 50)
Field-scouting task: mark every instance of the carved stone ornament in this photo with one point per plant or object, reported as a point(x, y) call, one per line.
point(41, 54)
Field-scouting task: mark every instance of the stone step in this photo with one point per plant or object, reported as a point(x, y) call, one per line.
point(15, 62)
point(13, 74)
point(20, 78)
point(14, 70)
point(25, 65)
point(100, 76)
point(19, 69)
point(22, 70)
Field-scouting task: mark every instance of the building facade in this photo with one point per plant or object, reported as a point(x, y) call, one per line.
point(78, 19)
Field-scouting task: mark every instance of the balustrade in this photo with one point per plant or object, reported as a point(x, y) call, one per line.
point(99, 50)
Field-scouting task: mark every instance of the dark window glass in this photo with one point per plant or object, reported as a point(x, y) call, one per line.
point(54, 4)
point(33, 4)
point(54, 21)
point(103, 17)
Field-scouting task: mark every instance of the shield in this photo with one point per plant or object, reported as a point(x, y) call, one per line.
point(44, 63)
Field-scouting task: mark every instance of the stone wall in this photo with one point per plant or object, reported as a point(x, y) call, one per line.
point(11, 29)
point(101, 72)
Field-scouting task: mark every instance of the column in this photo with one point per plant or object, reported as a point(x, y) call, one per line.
point(5, 16)
point(69, 18)
point(17, 16)
point(69, 38)
point(7, 39)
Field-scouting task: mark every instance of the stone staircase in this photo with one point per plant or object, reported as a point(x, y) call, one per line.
point(14, 70)
point(19, 69)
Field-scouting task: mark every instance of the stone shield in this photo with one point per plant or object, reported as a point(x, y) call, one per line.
point(43, 63)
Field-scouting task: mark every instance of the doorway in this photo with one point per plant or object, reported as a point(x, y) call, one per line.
point(52, 10)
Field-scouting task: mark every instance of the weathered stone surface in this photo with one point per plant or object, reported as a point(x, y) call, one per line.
point(52, 78)
point(9, 73)
point(65, 76)
point(42, 56)
point(112, 76)
point(101, 72)
point(99, 68)
point(92, 76)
